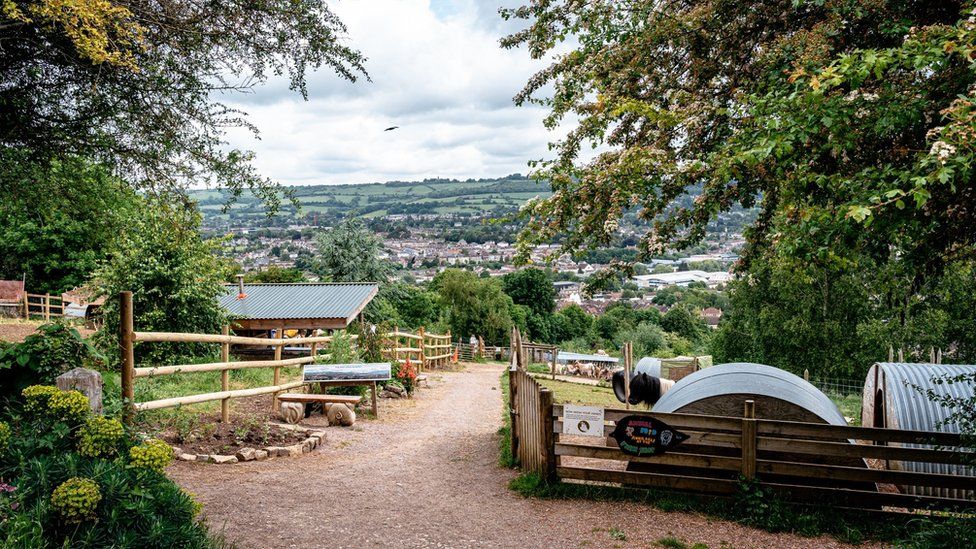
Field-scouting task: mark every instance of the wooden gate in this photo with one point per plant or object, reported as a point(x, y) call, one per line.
point(531, 410)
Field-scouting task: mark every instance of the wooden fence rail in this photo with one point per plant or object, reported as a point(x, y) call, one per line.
point(424, 350)
point(43, 305)
point(856, 467)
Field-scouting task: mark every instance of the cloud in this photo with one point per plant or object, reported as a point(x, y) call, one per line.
point(437, 71)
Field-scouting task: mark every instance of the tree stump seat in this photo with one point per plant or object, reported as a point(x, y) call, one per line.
point(293, 405)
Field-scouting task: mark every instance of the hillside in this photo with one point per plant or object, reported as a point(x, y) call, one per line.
point(472, 197)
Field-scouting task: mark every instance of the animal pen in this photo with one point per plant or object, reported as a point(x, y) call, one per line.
point(810, 461)
point(430, 350)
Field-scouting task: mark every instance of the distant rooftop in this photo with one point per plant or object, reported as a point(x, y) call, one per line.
point(333, 300)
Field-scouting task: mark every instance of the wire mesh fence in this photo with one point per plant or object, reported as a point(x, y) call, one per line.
point(838, 386)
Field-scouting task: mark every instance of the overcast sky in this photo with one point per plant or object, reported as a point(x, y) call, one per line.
point(437, 72)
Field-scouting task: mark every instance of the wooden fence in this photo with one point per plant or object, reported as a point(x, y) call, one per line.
point(422, 349)
point(851, 467)
point(45, 306)
point(425, 349)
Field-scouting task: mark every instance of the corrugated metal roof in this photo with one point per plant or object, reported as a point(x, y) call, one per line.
point(747, 378)
point(906, 402)
point(300, 300)
point(565, 356)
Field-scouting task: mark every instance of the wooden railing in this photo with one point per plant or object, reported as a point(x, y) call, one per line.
point(422, 349)
point(129, 337)
point(530, 409)
point(43, 305)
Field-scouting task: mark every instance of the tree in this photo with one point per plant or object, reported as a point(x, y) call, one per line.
point(573, 322)
point(475, 306)
point(849, 126)
point(174, 277)
point(532, 288)
point(274, 274)
point(349, 252)
point(681, 321)
point(135, 83)
point(413, 307)
point(59, 227)
point(648, 339)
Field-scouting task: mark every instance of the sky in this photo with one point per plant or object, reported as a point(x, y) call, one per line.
point(437, 72)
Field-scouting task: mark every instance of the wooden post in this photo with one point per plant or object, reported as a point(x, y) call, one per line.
point(626, 376)
point(548, 436)
point(421, 332)
point(26, 306)
point(748, 467)
point(373, 397)
point(277, 369)
point(225, 376)
point(449, 351)
point(47, 307)
point(396, 344)
point(901, 355)
point(891, 353)
point(481, 347)
point(555, 355)
point(806, 374)
point(127, 352)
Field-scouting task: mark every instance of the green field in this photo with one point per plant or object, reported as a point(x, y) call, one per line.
point(481, 197)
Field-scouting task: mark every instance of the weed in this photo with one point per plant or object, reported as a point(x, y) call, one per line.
point(672, 542)
point(617, 534)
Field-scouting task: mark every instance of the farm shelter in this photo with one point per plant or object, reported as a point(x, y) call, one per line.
point(722, 391)
point(895, 398)
point(81, 302)
point(11, 298)
point(259, 308)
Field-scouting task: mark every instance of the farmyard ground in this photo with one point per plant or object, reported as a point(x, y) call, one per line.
point(426, 475)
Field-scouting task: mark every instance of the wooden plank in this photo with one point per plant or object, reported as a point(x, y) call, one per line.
point(845, 496)
point(697, 484)
point(712, 423)
point(812, 430)
point(180, 337)
point(221, 366)
point(749, 440)
point(841, 449)
point(206, 397)
point(304, 397)
point(885, 476)
point(701, 461)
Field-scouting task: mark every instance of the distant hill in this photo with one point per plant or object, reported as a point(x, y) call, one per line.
point(472, 197)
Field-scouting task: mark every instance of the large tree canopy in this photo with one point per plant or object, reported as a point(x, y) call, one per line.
point(849, 121)
point(134, 83)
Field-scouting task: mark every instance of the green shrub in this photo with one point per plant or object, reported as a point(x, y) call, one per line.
point(36, 397)
point(47, 502)
point(44, 355)
point(100, 437)
point(153, 454)
point(4, 436)
point(69, 406)
point(76, 500)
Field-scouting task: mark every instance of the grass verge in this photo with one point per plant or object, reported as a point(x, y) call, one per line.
point(505, 457)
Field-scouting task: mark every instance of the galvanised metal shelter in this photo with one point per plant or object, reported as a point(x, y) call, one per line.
point(896, 397)
point(722, 390)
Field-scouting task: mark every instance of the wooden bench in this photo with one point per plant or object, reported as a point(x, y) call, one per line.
point(323, 399)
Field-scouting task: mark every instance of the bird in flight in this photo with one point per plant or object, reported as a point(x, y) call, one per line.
point(391, 128)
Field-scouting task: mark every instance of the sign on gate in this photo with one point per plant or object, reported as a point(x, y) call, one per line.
point(646, 436)
point(583, 420)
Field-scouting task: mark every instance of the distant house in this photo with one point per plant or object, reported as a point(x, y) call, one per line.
point(711, 316)
point(681, 278)
point(259, 308)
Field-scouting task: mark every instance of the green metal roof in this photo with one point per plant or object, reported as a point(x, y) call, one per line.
point(300, 300)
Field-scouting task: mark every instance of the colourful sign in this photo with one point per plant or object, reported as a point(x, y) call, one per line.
point(646, 436)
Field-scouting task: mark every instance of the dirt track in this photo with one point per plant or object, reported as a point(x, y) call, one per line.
point(425, 475)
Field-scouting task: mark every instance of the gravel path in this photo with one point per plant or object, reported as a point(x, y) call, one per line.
point(425, 475)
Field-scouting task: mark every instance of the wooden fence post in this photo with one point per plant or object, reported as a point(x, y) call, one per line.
point(277, 369)
point(627, 375)
point(47, 307)
point(225, 376)
point(748, 466)
point(548, 436)
point(422, 365)
point(555, 355)
point(449, 350)
point(396, 344)
point(128, 357)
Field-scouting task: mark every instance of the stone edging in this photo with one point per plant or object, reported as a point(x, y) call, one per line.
point(313, 440)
